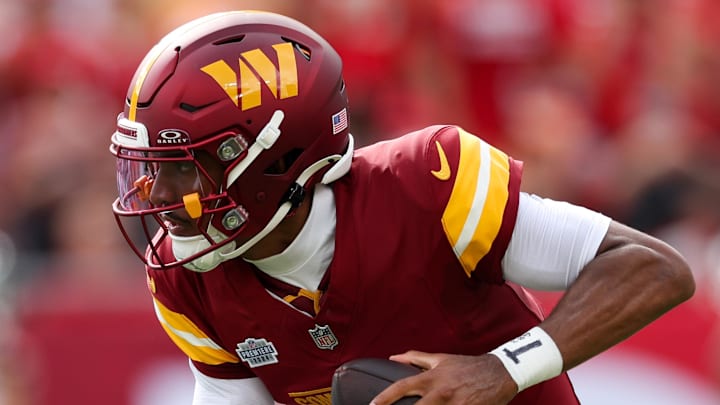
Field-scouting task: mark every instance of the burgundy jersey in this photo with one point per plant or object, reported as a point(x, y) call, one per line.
point(423, 222)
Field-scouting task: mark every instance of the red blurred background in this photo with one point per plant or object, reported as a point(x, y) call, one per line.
point(611, 104)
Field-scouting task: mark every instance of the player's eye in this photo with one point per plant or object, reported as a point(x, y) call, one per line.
point(185, 167)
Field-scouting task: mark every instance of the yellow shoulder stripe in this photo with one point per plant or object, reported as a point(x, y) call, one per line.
point(474, 212)
point(190, 339)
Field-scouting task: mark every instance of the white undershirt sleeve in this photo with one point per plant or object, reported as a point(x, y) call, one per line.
point(551, 243)
point(216, 391)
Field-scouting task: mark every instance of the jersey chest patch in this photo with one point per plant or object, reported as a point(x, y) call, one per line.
point(257, 352)
point(323, 337)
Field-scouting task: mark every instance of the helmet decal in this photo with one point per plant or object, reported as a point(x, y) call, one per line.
point(257, 68)
point(173, 137)
point(155, 53)
point(339, 121)
point(143, 71)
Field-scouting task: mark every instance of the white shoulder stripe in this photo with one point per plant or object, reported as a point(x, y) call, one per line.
point(186, 336)
point(479, 199)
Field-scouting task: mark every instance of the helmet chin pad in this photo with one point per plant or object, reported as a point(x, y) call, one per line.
point(186, 246)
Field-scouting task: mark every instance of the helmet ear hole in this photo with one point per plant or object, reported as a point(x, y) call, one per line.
point(282, 165)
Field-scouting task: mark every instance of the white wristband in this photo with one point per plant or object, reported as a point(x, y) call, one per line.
point(530, 358)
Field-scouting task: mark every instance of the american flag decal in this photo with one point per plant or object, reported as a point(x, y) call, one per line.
point(339, 121)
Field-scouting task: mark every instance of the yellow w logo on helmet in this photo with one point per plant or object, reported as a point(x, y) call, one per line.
point(257, 68)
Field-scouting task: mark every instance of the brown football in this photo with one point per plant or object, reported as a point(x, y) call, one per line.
point(358, 381)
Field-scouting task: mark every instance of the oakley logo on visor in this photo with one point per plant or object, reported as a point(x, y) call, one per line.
point(173, 137)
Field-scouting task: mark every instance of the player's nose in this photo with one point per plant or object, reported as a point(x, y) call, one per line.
point(164, 191)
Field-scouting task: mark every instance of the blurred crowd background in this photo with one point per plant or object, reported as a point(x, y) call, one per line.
point(612, 104)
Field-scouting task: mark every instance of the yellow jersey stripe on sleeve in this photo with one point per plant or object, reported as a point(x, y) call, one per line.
point(474, 212)
point(190, 339)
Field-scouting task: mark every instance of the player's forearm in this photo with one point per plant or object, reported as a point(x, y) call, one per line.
point(634, 280)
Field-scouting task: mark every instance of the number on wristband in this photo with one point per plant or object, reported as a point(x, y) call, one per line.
point(513, 354)
point(541, 359)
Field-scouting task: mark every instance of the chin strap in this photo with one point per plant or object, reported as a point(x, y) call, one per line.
point(342, 166)
point(265, 140)
point(295, 195)
point(284, 208)
point(186, 246)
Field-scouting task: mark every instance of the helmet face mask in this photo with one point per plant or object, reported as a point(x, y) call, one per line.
point(227, 119)
point(175, 192)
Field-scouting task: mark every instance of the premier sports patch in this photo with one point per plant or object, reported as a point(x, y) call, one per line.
point(257, 352)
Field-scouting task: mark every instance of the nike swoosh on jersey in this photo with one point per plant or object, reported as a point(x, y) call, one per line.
point(444, 172)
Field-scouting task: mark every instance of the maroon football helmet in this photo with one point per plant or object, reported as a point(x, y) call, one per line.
point(249, 90)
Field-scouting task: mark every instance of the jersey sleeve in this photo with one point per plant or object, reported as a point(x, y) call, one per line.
point(215, 391)
point(552, 243)
point(189, 330)
point(479, 186)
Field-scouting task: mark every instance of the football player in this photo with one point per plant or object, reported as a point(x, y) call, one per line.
point(275, 251)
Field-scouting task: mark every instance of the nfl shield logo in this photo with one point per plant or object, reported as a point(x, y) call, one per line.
point(323, 337)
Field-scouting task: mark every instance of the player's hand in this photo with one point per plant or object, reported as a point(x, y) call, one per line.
point(452, 379)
